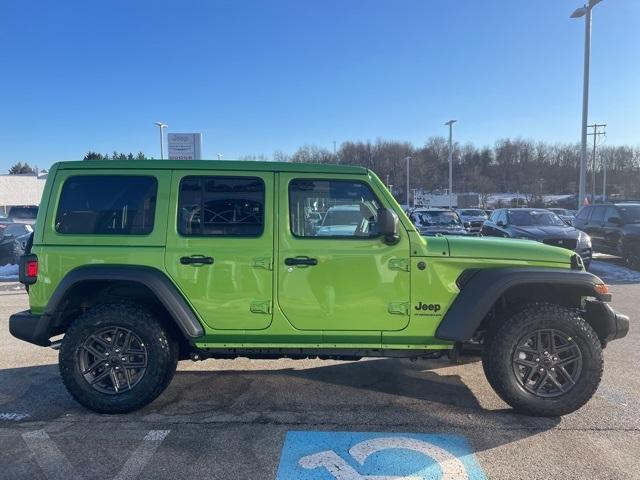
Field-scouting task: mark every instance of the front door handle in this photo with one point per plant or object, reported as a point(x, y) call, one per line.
point(196, 260)
point(298, 261)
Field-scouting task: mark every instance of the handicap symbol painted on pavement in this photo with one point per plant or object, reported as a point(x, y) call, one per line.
point(376, 456)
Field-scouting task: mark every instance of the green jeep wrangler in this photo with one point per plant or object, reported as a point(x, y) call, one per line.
point(136, 265)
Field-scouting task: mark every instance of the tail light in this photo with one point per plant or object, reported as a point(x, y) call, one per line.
point(28, 269)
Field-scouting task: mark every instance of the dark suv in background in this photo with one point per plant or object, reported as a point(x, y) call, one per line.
point(614, 229)
point(540, 225)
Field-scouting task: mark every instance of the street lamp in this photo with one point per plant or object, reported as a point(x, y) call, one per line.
point(161, 126)
point(585, 11)
point(450, 123)
point(408, 159)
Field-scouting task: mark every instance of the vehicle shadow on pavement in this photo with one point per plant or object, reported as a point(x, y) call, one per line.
point(376, 394)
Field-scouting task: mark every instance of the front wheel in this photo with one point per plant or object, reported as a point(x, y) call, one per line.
point(545, 360)
point(116, 358)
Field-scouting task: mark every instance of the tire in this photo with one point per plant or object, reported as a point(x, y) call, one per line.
point(508, 349)
point(96, 342)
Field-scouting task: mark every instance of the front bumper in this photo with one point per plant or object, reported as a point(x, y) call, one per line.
point(31, 328)
point(608, 324)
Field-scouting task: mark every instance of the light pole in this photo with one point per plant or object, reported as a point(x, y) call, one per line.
point(408, 159)
point(450, 123)
point(585, 11)
point(160, 127)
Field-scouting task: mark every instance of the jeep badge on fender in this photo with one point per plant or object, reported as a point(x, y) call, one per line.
point(432, 307)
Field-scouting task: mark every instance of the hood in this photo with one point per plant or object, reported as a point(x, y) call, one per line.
point(507, 249)
point(540, 232)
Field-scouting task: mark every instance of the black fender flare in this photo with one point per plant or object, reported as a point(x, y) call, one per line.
point(155, 280)
point(480, 289)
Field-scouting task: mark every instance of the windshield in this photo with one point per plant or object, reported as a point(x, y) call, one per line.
point(530, 218)
point(23, 212)
point(438, 218)
point(472, 213)
point(630, 213)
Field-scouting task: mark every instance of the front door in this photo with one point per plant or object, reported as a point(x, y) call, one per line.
point(220, 250)
point(335, 272)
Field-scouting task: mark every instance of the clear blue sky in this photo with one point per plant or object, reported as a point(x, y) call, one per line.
point(259, 76)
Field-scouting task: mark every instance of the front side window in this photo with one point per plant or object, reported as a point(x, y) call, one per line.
point(107, 205)
point(221, 206)
point(332, 208)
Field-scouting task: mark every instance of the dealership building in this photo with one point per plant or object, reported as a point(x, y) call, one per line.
point(20, 190)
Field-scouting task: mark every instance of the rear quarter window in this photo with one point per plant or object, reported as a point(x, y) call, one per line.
point(107, 205)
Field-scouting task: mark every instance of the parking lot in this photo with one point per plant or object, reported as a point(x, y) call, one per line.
point(245, 419)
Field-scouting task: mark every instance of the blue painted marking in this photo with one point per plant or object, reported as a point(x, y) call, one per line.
point(368, 455)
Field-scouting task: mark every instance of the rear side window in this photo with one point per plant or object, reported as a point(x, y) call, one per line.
point(221, 206)
point(107, 205)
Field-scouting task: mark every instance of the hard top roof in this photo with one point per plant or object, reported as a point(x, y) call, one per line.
point(237, 165)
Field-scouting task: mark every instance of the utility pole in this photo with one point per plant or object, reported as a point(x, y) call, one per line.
point(450, 123)
point(408, 159)
point(596, 133)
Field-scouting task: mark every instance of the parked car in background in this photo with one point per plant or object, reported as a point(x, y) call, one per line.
point(13, 241)
point(540, 225)
point(472, 218)
point(23, 214)
point(614, 229)
point(433, 221)
point(344, 221)
point(565, 215)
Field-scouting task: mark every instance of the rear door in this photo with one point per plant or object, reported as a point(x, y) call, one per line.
point(339, 277)
point(220, 246)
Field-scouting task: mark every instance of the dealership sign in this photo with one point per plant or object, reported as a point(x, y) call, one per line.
point(185, 146)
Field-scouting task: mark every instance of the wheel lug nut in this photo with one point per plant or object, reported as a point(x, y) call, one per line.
point(106, 354)
point(546, 353)
point(553, 369)
point(123, 359)
point(117, 350)
point(106, 364)
point(542, 369)
point(537, 359)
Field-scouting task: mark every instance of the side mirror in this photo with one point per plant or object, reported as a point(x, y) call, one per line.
point(388, 225)
point(500, 223)
point(615, 220)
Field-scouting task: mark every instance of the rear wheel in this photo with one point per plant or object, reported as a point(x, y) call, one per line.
point(116, 358)
point(544, 361)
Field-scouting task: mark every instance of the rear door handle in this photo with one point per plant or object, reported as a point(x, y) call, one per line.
point(297, 261)
point(196, 260)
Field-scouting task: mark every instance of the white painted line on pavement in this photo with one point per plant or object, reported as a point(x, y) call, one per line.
point(142, 455)
point(50, 459)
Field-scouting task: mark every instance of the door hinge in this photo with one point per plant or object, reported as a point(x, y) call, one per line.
point(262, 262)
point(260, 306)
point(399, 308)
point(399, 264)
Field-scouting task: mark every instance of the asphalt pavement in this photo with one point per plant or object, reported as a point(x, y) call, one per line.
point(310, 419)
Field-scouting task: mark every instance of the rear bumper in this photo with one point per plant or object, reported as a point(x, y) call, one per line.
point(608, 324)
point(30, 328)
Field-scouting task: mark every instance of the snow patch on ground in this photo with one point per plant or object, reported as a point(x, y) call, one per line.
point(612, 273)
point(8, 272)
